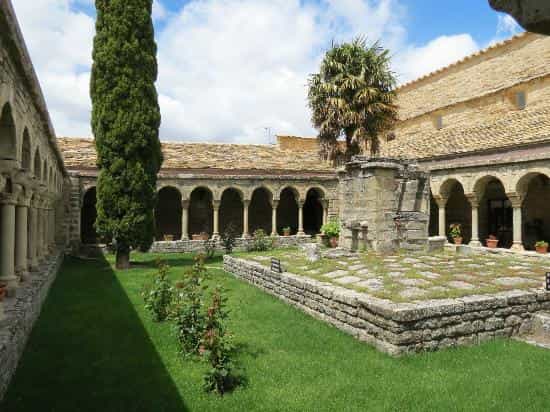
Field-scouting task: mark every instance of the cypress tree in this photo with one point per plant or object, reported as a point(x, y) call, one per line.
point(125, 123)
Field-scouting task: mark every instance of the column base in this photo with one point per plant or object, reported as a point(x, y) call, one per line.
point(22, 274)
point(184, 238)
point(518, 247)
point(301, 233)
point(274, 234)
point(475, 243)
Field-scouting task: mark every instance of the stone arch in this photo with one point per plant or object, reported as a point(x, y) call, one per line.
point(26, 153)
point(314, 210)
point(8, 135)
point(37, 165)
point(201, 215)
point(231, 210)
point(295, 192)
point(457, 208)
point(534, 189)
point(260, 209)
point(287, 210)
point(88, 215)
point(495, 210)
point(168, 214)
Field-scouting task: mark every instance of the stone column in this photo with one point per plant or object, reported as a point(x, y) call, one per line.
point(21, 240)
point(441, 203)
point(301, 218)
point(34, 243)
point(216, 208)
point(475, 220)
point(7, 242)
point(246, 204)
point(274, 206)
point(185, 220)
point(517, 202)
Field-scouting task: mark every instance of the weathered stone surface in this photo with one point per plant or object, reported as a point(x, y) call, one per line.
point(313, 253)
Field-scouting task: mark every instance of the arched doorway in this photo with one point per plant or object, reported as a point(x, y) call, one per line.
point(313, 212)
point(88, 215)
point(231, 211)
point(495, 212)
point(260, 211)
point(287, 211)
point(201, 215)
point(457, 210)
point(168, 214)
point(535, 217)
point(8, 139)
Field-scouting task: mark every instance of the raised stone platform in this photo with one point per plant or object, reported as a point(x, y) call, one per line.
point(400, 328)
point(20, 314)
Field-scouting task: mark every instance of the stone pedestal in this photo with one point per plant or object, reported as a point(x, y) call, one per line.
point(384, 205)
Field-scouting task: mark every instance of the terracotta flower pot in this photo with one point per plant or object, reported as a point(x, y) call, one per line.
point(542, 249)
point(457, 240)
point(333, 242)
point(3, 291)
point(492, 243)
point(286, 232)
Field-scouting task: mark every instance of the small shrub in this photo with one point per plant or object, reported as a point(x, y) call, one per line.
point(331, 229)
point(187, 311)
point(260, 241)
point(455, 230)
point(229, 238)
point(158, 295)
point(209, 248)
point(541, 243)
point(217, 347)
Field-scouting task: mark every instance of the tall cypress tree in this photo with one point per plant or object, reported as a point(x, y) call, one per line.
point(125, 122)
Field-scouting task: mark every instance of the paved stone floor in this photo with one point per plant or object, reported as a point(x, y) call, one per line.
point(409, 276)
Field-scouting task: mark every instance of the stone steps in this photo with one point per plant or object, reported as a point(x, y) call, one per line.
point(539, 335)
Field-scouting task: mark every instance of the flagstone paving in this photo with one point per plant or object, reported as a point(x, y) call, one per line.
point(410, 276)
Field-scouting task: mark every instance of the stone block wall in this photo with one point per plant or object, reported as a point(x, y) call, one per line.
point(400, 328)
point(20, 313)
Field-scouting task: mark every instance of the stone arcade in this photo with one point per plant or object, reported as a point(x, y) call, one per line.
point(477, 133)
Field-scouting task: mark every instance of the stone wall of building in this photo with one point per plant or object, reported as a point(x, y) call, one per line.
point(20, 315)
point(399, 328)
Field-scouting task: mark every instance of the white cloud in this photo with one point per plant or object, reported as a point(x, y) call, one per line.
point(227, 68)
point(507, 26)
point(414, 62)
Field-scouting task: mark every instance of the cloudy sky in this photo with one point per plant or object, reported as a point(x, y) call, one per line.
point(229, 69)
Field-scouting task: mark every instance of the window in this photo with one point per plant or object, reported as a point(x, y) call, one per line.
point(521, 100)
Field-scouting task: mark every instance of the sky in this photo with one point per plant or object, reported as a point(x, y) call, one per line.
point(236, 70)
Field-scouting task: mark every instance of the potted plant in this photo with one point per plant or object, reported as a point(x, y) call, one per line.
point(492, 242)
point(3, 291)
point(455, 231)
point(286, 231)
point(332, 230)
point(168, 238)
point(541, 246)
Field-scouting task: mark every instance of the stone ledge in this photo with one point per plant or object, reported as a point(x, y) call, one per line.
point(20, 314)
point(467, 250)
point(400, 328)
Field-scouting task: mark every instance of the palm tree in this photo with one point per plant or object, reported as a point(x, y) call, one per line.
point(353, 98)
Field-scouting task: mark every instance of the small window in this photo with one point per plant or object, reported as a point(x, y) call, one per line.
point(438, 122)
point(521, 100)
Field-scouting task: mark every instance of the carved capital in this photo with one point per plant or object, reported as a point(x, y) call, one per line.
point(473, 199)
point(441, 201)
point(516, 199)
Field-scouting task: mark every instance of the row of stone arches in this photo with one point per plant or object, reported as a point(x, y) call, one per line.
point(8, 150)
point(179, 218)
point(517, 218)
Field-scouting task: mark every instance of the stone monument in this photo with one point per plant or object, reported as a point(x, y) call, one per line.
point(384, 205)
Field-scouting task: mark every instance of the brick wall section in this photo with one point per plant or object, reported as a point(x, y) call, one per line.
point(21, 313)
point(399, 328)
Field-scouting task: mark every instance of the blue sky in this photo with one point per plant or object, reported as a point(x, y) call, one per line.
point(230, 68)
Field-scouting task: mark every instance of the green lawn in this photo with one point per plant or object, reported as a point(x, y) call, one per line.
point(94, 348)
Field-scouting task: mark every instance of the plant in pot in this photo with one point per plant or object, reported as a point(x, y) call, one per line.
point(332, 230)
point(286, 231)
point(492, 242)
point(541, 246)
point(455, 231)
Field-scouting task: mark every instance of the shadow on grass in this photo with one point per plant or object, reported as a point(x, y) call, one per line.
point(173, 260)
point(90, 352)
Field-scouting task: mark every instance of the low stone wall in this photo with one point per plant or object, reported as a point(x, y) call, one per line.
point(470, 250)
point(400, 328)
point(20, 313)
point(193, 246)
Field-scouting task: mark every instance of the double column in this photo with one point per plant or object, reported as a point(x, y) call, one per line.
point(301, 218)
point(185, 219)
point(21, 236)
point(246, 205)
point(7, 241)
point(274, 206)
point(216, 209)
point(441, 204)
point(517, 202)
point(474, 203)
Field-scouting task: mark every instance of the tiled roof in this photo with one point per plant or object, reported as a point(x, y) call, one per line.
point(296, 154)
point(516, 128)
